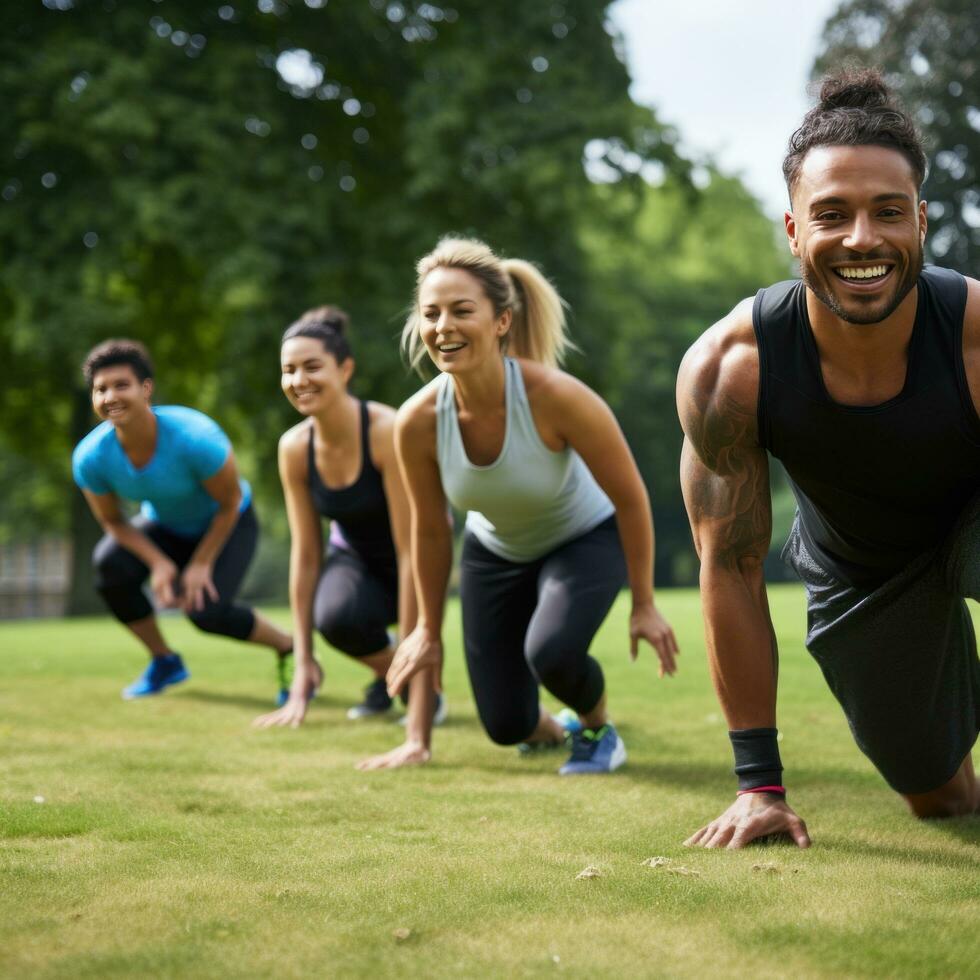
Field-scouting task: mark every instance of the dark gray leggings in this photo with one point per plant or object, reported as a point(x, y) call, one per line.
point(355, 602)
point(901, 658)
point(532, 623)
point(119, 575)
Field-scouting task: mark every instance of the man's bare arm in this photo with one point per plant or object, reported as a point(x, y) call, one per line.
point(725, 479)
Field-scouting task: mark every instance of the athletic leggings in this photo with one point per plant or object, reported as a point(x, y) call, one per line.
point(119, 575)
point(355, 602)
point(532, 623)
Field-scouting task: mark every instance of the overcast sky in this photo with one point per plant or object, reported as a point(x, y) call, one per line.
point(730, 76)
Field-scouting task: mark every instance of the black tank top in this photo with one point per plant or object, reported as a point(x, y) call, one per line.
point(875, 485)
point(359, 511)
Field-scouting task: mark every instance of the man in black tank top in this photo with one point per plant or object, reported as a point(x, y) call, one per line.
point(864, 380)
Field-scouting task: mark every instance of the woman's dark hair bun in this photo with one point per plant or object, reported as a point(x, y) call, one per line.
point(328, 324)
point(330, 316)
point(859, 88)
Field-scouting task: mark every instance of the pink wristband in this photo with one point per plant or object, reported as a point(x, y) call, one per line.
point(781, 790)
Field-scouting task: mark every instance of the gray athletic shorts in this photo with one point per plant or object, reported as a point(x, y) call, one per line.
point(902, 658)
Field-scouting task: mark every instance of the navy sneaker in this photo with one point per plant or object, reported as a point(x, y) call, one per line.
point(160, 673)
point(376, 701)
point(440, 711)
point(595, 752)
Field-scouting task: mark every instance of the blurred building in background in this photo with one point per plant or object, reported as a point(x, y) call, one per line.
point(34, 578)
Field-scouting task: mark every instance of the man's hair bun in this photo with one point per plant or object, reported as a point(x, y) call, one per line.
point(861, 88)
point(855, 108)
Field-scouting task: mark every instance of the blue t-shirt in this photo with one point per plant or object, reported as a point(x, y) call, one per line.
point(190, 449)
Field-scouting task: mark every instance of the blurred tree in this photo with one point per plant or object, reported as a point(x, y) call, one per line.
point(195, 175)
point(928, 49)
point(692, 257)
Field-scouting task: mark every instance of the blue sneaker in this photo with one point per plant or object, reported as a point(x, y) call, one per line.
point(570, 723)
point(160, 673)
point(595, 752)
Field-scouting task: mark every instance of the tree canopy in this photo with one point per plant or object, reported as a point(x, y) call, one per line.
point(928, 50)
point(195, 176)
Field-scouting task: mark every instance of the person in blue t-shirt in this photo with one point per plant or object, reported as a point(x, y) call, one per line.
point(196, 531)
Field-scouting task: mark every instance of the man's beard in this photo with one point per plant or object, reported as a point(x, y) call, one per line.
point(905, 286)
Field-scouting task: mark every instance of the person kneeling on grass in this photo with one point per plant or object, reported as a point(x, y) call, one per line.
point(558, 517)
point(339, 463)
point(197, 529)
point(863, 378)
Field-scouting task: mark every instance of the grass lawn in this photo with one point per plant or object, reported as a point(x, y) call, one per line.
point(167, 838)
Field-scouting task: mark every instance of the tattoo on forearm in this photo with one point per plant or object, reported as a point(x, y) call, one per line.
point(726, 477)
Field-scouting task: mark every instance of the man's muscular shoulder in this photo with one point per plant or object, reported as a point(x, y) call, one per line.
point(971, 339)
point(718, 385)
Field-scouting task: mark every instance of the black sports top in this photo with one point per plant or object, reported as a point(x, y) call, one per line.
point(358, 511)
point(875, 485)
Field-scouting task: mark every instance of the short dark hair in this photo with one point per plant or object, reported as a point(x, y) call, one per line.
point(329, 325)
point(118, 351)
point(856, 108)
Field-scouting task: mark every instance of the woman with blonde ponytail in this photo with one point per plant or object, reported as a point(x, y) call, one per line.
point(540, 465)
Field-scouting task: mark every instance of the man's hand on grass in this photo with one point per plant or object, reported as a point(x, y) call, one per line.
point(750, 817)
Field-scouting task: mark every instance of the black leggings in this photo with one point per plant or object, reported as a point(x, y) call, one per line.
point(119, 575)
point(355, 603)
point(531, 623)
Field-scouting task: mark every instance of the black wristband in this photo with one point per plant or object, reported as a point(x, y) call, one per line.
point(757, 761)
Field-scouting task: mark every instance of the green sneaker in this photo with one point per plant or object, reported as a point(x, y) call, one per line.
point(284, 676)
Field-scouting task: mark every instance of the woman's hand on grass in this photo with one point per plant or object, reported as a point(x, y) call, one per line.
point(306, 681)
point(750, 817)
point(419, 650)
point(646, 623)
point(407, 754)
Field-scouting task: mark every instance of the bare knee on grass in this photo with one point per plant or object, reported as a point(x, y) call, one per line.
point(957, 798)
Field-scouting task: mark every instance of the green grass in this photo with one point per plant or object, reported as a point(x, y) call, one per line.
point(173, 840)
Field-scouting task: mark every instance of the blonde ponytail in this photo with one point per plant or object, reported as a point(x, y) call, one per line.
point(538, 331)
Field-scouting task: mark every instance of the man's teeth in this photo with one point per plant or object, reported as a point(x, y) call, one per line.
point(855, 272)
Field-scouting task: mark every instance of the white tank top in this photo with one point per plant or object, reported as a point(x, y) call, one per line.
point(530, 499)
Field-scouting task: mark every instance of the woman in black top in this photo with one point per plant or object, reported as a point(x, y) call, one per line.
point(339, 463)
